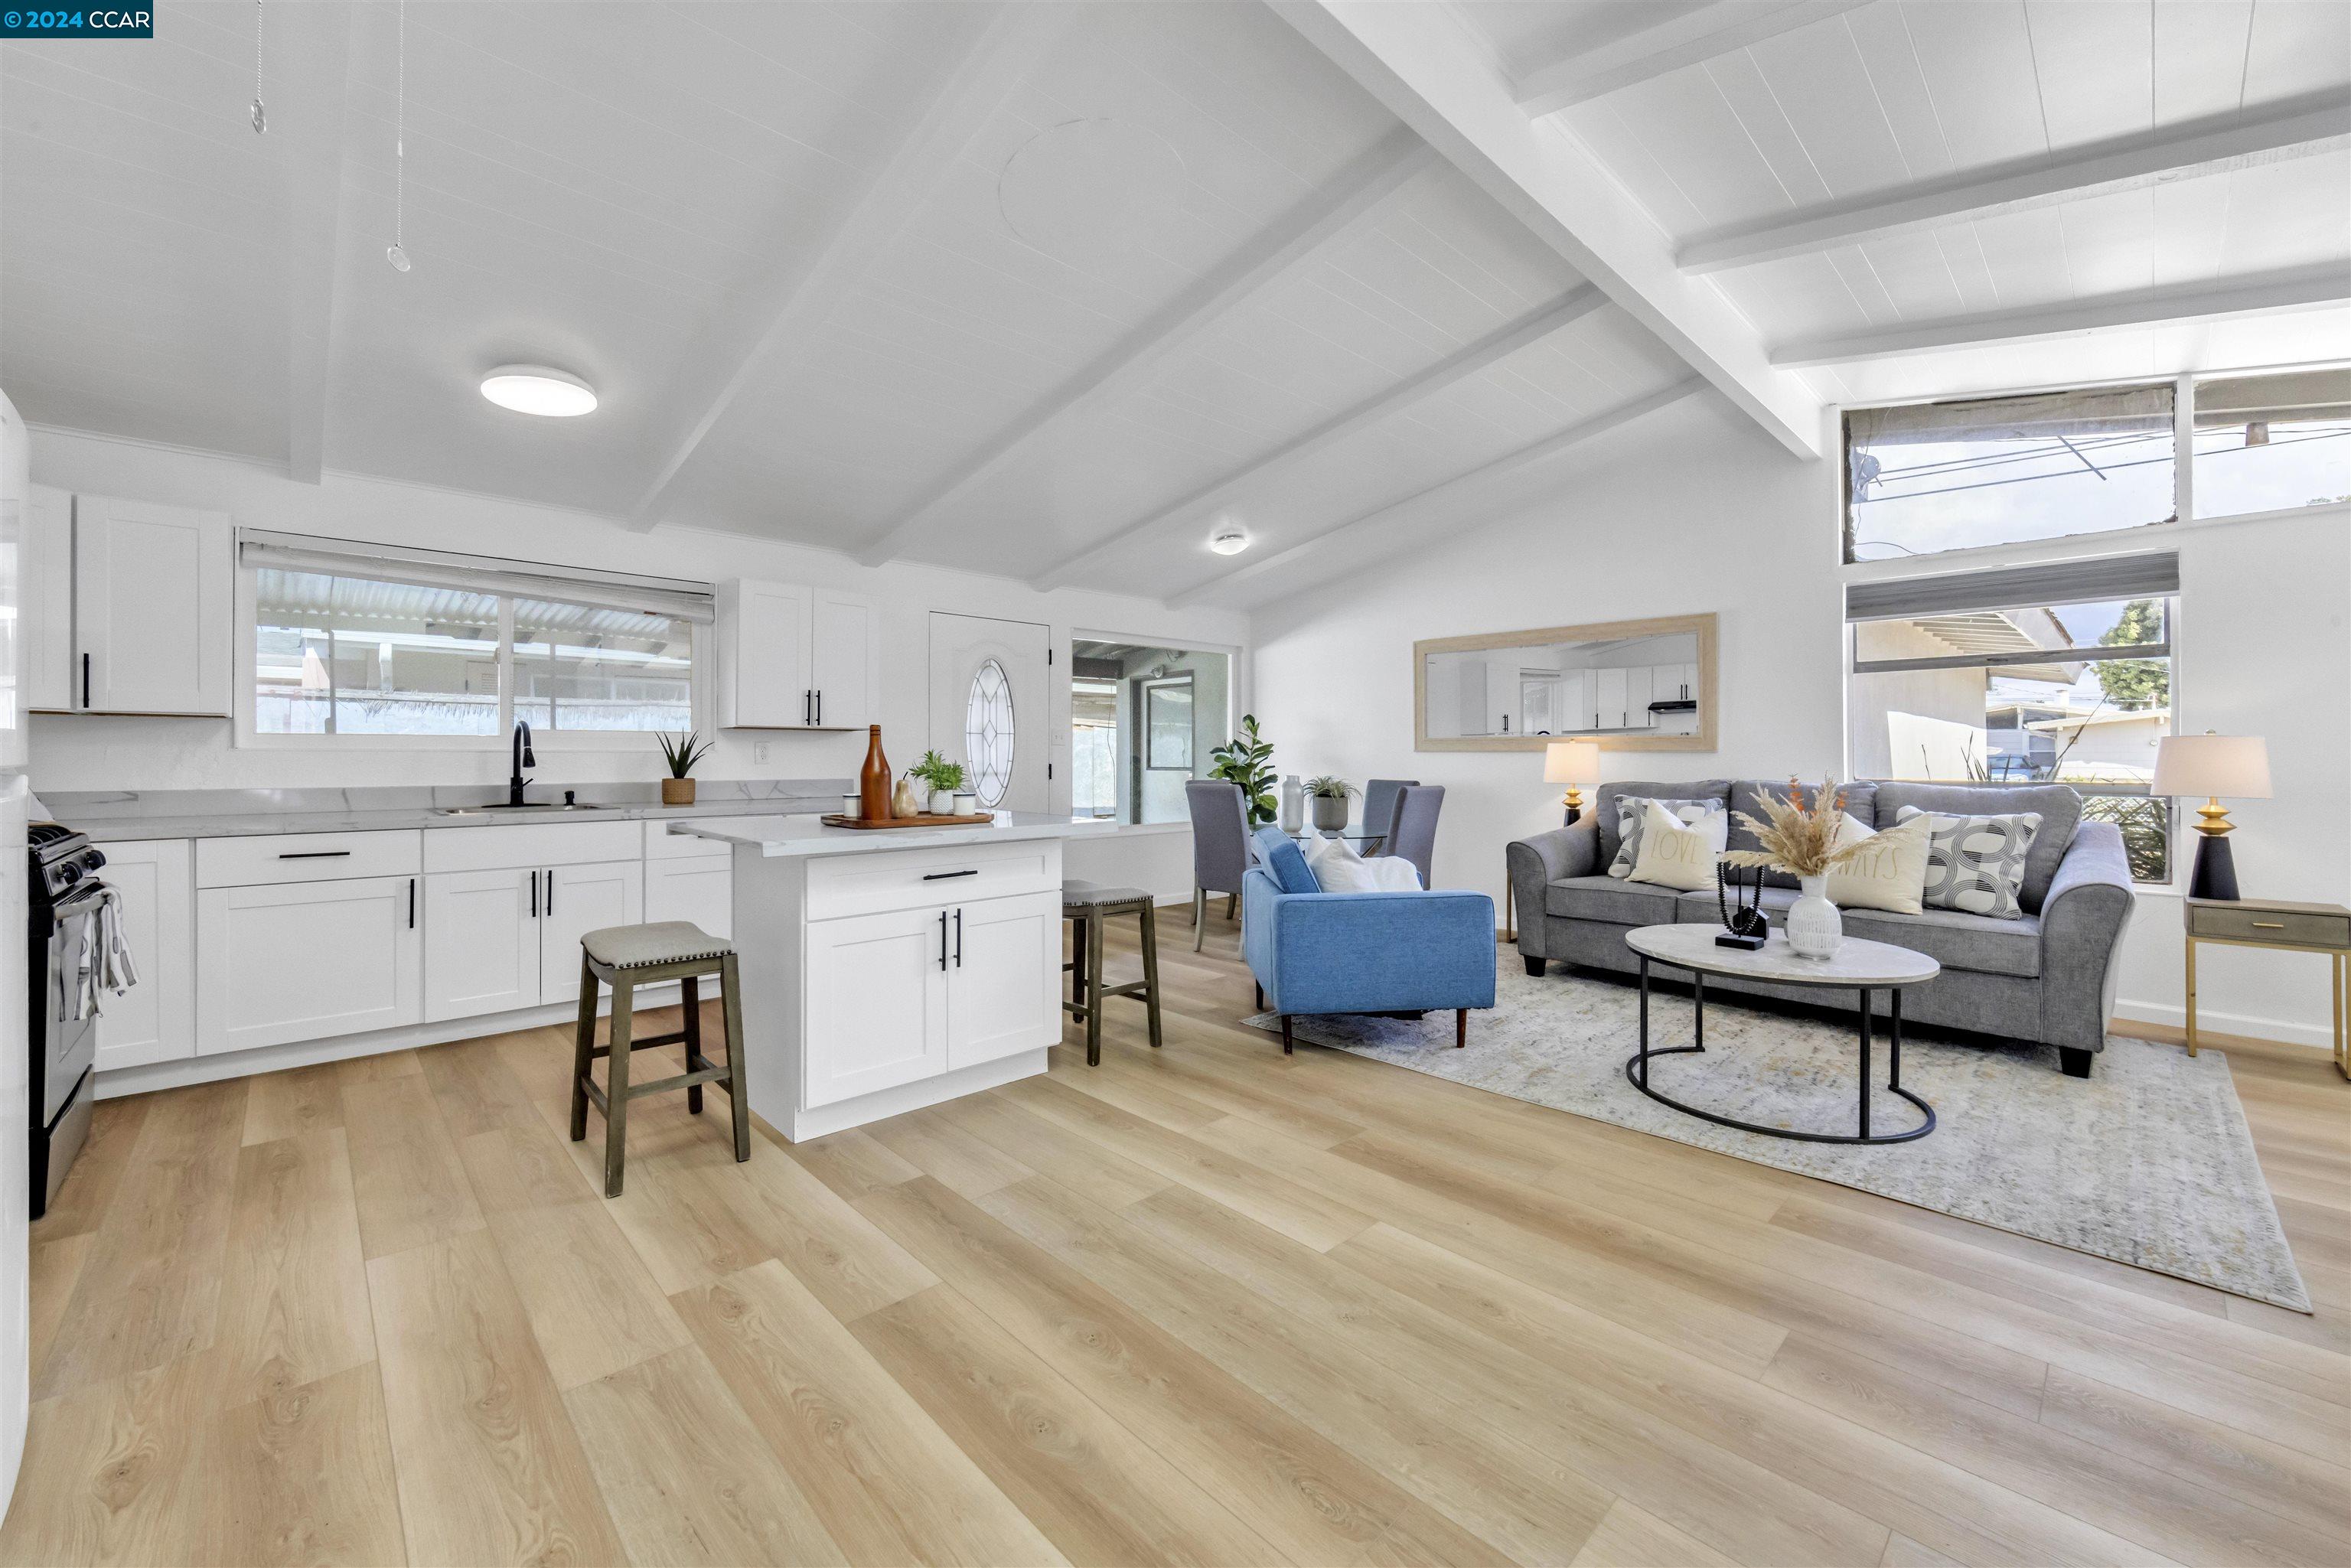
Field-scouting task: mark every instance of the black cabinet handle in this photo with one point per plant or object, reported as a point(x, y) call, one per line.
point(807, 707)
point(313, 854)
point(411, 904)
point(945, 875)
point(534, 896)
point(958, 938)
point(943, 938)
point(550, 893)
point(85, 680)
point(819, 705)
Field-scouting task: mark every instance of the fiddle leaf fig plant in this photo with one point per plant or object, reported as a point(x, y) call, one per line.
point(1247, 760)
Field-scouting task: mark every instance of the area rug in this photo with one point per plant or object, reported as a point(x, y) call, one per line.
point(2148, 1161)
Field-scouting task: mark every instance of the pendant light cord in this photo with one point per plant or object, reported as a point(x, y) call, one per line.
point(398, 255)
point(260, 117)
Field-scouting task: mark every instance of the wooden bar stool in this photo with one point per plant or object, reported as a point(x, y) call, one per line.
point(1088, 905)
point(625, 958)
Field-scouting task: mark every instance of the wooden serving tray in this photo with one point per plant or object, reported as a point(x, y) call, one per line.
point(835, 819)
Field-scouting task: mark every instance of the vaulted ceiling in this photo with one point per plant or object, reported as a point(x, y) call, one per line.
point(1054, 290)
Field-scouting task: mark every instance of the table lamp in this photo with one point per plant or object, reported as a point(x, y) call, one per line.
point(1574, 763)
point(2211, 765)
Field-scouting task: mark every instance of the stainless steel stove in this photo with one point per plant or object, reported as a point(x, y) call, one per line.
point(63, 893)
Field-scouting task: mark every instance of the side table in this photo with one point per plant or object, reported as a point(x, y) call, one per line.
point(2289, 927)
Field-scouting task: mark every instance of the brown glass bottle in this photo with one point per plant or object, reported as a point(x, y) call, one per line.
point(874, 780)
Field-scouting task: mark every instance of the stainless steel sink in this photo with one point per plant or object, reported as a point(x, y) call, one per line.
point(500, 808)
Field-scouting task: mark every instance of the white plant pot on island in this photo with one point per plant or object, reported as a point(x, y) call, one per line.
point(885, 970)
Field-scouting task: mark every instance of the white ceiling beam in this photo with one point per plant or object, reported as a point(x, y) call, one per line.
point(1431, 70)
point(2303, 129)
point(1227, 488)
point(2299, 289)
point(1443, 509)
point(305, 96)
point(773, 326)
point(1687, 39)
point(1324, 217)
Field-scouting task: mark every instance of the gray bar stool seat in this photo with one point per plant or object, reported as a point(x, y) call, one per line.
point(1089, 904)
point(625, 958)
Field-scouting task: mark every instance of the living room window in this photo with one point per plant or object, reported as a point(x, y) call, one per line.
point(350, 640)
point(2032, 674)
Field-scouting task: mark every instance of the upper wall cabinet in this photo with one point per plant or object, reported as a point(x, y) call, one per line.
point(128, 606)
point(793, 657)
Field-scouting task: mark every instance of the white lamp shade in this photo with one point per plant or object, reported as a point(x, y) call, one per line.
point(2213, 765)
point(1574, 762)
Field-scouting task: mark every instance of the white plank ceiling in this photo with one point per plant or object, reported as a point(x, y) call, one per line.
point(1050, 291)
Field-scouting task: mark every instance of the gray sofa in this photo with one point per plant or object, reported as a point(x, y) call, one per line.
point(2046, 978)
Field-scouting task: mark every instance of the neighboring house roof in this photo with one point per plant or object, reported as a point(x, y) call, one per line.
point(2006, 631)
point(2107, 715)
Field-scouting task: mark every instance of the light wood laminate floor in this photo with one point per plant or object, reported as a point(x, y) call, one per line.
point(1207, 1305)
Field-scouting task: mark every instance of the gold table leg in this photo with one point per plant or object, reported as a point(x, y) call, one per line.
point(2192, 995)
point(2342, 1037)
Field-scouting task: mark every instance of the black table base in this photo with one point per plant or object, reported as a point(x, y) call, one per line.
point(1636, 1069)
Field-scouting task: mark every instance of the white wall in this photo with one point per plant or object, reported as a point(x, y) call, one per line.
point(79, 753)
point(1691, 510)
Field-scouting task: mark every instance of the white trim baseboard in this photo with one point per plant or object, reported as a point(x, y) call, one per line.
point(2174, 1016)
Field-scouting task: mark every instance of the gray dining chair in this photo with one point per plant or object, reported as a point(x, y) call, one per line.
point(1379, 812)
point(1220, 854)
point(1412, 835)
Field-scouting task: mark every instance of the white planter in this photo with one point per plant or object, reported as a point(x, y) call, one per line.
point(1813, 926)
point(966, 804)
point(942, 803)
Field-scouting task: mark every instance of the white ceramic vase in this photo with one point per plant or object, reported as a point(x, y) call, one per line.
point(942, 803)
point(1813, 926)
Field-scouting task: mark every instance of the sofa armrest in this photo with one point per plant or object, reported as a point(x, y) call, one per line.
point(1371, 952)
point(1536, 862)
point(2082, 923)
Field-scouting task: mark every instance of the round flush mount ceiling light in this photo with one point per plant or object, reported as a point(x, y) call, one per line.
point(1229, 540)
point(537, 388)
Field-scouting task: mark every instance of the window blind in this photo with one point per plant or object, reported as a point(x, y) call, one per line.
point(676, 598)
point(2153, 575)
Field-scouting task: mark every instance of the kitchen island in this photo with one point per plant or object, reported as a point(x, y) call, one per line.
point(885, 970)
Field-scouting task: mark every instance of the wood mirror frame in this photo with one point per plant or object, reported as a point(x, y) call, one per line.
point(1599, 631)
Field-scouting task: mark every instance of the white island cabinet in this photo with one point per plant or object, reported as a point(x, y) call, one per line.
point(884, 971)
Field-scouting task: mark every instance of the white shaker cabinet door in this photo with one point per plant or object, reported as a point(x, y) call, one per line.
point(1004, 975)
point(840, 659)
point(305, 961)
point(155, 1020)
point(45, 610)
point(764, 681)
point(573, 901)
point(876, 1003)
point(152, 607)
point(481, 942)
point(698, 891)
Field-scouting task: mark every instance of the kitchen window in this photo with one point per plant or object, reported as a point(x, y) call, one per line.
point(356, 642)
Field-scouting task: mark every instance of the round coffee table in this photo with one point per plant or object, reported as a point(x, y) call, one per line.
point(1863, 967)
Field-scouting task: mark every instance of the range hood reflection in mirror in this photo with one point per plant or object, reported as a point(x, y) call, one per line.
point(1632, 685)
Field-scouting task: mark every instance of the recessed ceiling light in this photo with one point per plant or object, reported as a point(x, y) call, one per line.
point(535, 389)
point(1229, 540)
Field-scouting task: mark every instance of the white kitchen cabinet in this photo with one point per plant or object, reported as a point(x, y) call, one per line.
point(305, 961)
point(152, 608)
point(700, 891)
point(1003, 977)
point(1608, 699)
point(876, 1003)
point(574, 900)
point(793, 657)
point(482, 942)
point(45, 586)
point(155, 1020)
point(1640, 683)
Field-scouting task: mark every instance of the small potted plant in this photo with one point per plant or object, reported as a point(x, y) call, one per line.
point(1330, 797)
point(944, 777)
point(682, 752)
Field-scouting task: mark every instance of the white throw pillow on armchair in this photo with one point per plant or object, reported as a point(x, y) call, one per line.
point(1340, 869)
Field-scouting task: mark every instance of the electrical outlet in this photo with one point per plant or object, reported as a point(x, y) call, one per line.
point(759, 750)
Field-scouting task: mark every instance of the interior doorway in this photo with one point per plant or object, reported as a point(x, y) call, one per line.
point(1143, 718)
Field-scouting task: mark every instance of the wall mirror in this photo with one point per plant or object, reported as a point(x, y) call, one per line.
point(1632, 685)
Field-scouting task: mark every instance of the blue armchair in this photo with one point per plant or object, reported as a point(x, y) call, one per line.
point(1315, 952)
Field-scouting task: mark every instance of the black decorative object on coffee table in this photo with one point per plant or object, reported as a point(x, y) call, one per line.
point(1744, 924)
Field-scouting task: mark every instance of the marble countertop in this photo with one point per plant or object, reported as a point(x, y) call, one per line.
point(237, 813)
point(808, 835)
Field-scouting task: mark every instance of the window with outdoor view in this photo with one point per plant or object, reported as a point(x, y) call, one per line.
point(353, 640)
point(2033, 674)
point(2266, 444)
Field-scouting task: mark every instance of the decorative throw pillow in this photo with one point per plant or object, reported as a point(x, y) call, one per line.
point(1630, 818)
point(1677, 854)
point(1339, 869)
point(1976, 865)
point(1889, 874)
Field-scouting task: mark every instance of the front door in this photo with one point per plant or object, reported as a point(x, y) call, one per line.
point(987, 706)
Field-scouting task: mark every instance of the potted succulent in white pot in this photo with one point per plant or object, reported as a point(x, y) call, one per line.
point(1329, 796)
point(682, 752)
point(943, 777)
